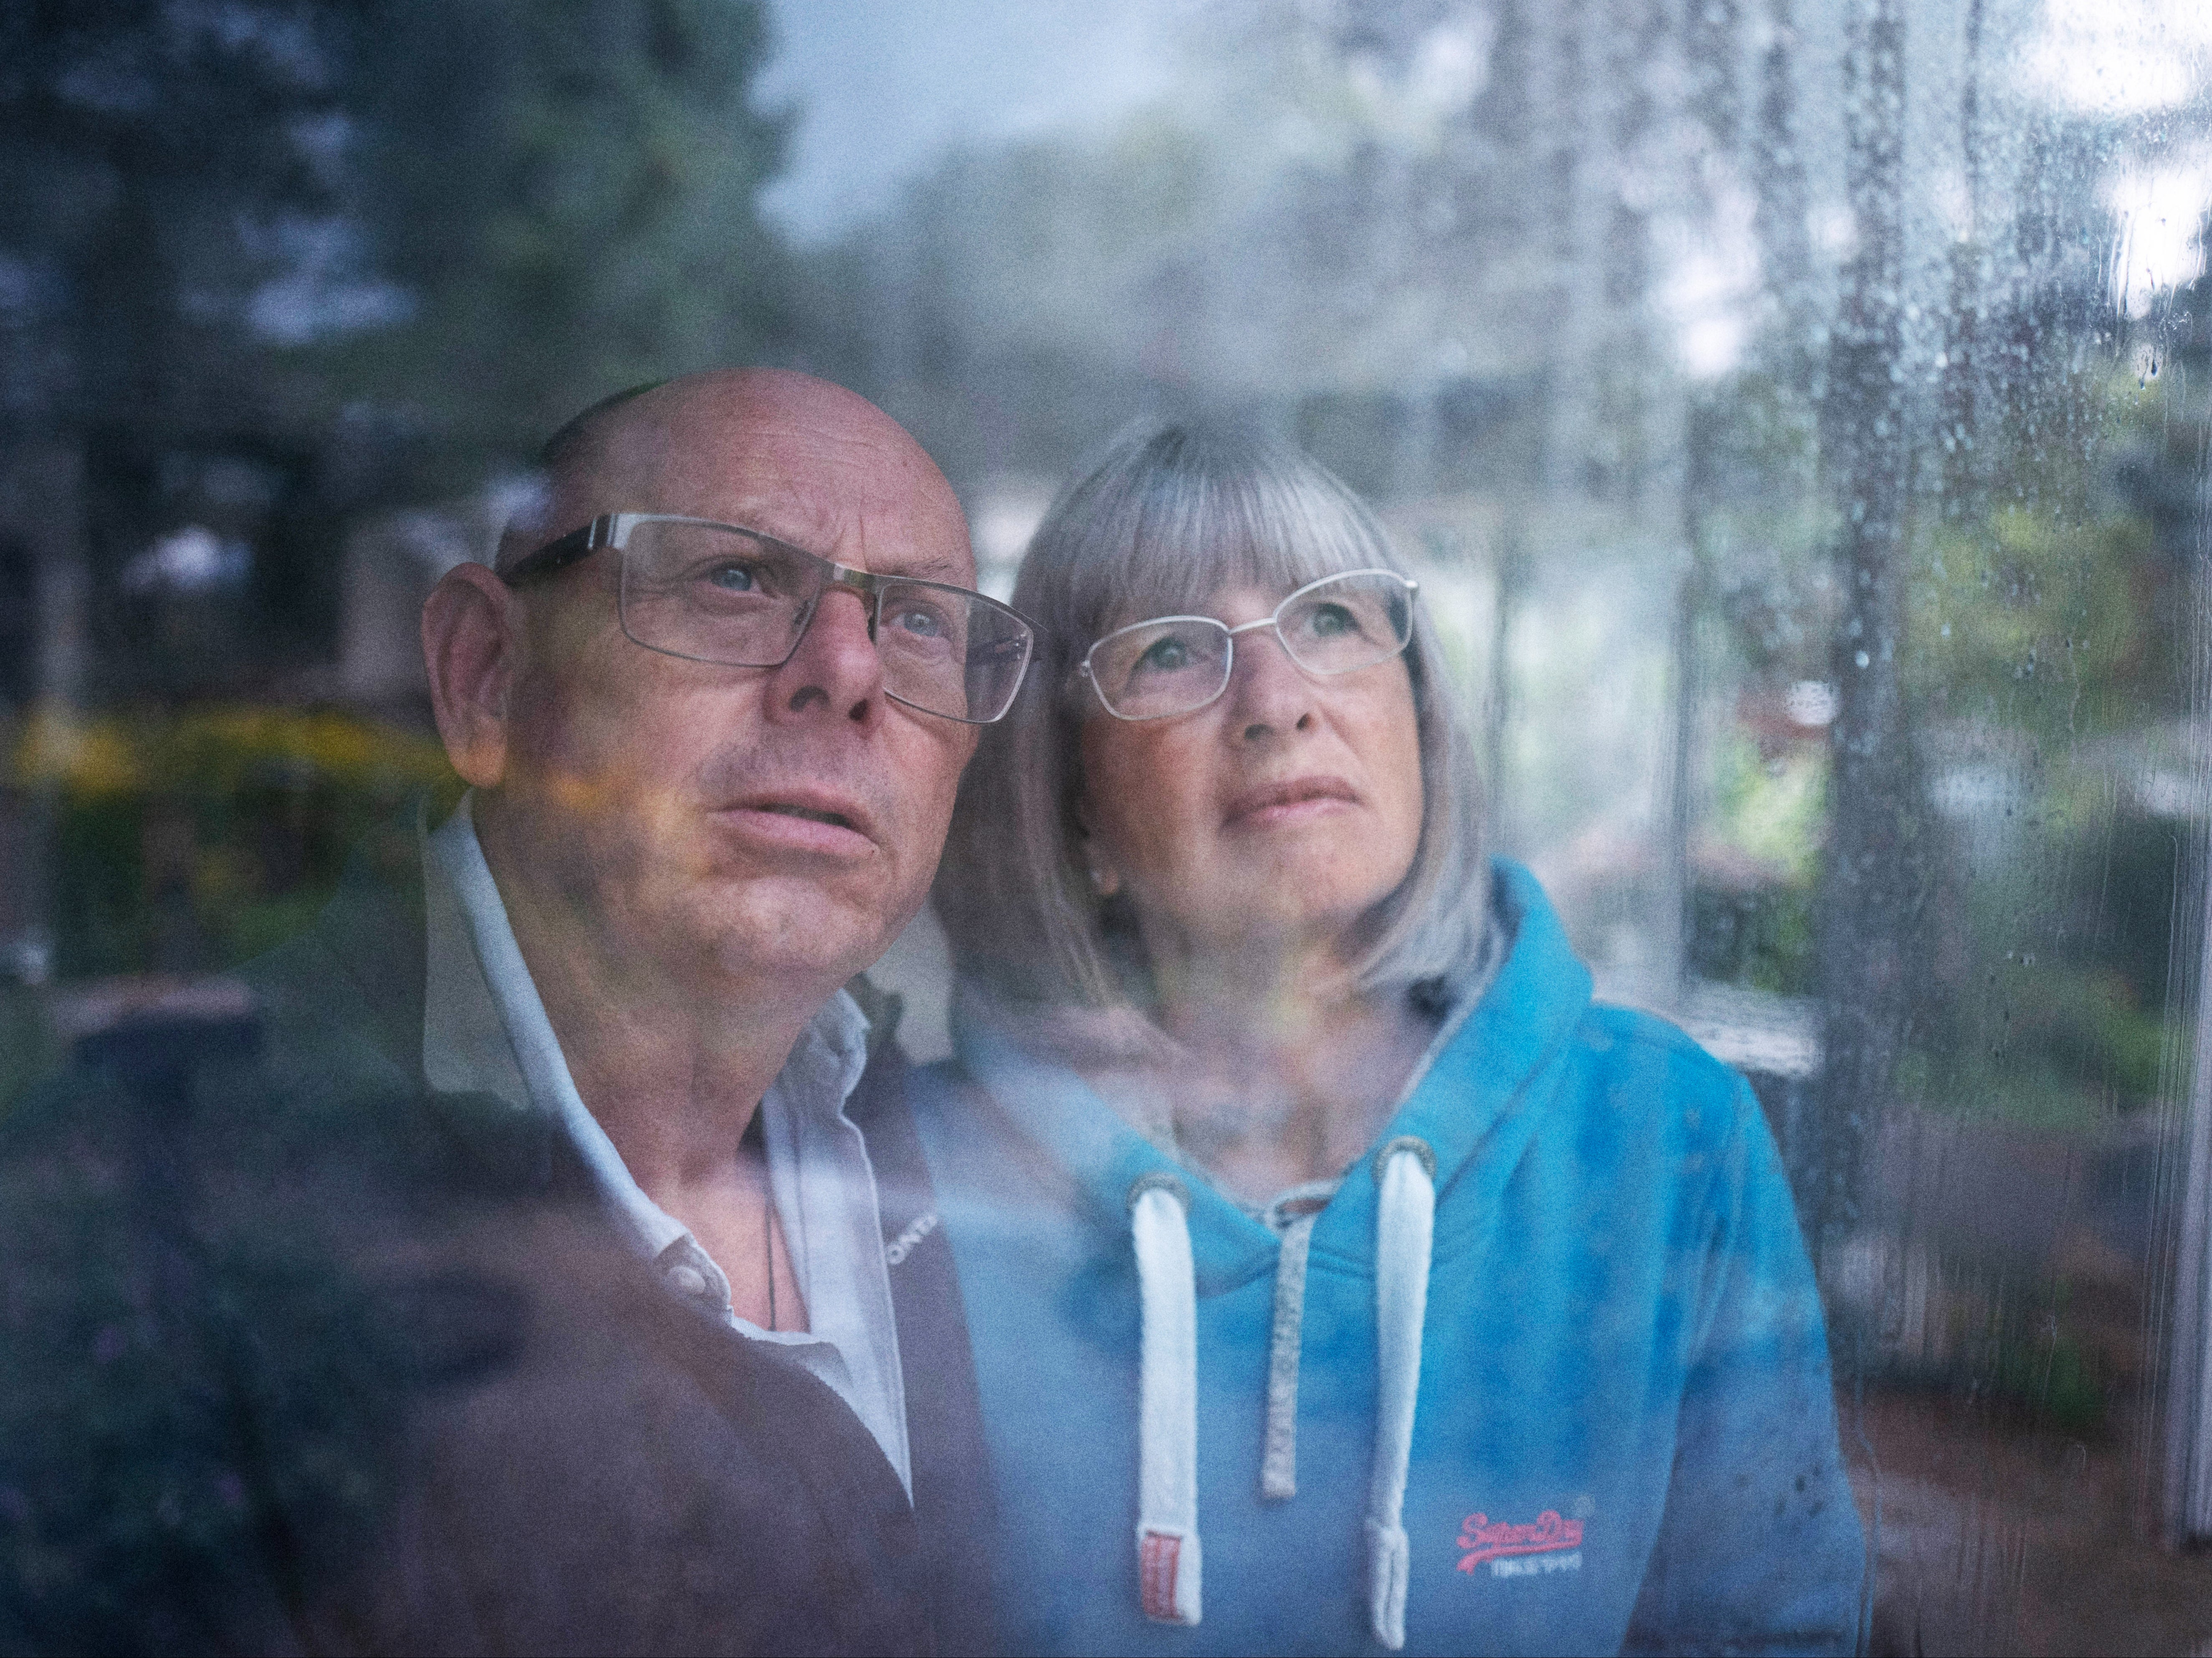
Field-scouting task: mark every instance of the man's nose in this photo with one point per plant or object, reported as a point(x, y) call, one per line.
point(1269, 694)
point(835, 666)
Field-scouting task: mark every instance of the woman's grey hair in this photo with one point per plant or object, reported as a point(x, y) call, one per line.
point(1167, 517)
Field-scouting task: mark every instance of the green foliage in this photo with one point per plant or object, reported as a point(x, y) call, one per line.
point(197, 840)
point(1773, 809)
point(2024, 1344)
point(2043, 651)
point(29, 1046)
point(2044, 1045)
point(117, 1476)
point(2057, 630)
point(1757, 860)
point(2029, 1356)
point(213, 1348)
point(1761, 939)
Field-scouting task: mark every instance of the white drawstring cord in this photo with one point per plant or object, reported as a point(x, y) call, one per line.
point(1278, 1459)
point(1404, 1226)
point(1169, 1560)
point(1169, 1563)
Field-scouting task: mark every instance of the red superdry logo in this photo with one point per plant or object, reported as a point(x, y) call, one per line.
point(1500, 1541)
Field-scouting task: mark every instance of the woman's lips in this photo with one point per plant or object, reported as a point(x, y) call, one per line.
point(1273, 805)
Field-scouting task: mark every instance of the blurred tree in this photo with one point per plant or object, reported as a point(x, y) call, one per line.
point(267, 264)
point(1870, 889)
point(161, 164)
point(564, 191)
point(293, 225)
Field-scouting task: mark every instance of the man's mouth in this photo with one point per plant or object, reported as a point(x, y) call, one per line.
point(837, 818)
point(808, 820)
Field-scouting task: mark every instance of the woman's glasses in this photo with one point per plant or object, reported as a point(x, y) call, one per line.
point(1177, 664)
point(717, 592)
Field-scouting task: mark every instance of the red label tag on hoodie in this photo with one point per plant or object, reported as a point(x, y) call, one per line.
point(1156, 1567)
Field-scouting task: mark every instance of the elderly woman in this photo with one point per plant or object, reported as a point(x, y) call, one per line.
point(1303, 1200)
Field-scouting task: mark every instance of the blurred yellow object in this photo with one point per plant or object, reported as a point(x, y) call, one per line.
point(212, 750)
point(57, 747)
point(190, 840)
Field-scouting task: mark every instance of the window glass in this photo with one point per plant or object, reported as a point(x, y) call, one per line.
point(1793, 411)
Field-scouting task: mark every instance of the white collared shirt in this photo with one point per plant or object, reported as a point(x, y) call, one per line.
point(484, 1030)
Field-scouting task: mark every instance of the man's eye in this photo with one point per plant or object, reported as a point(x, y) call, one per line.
point(920, 621)
point(734, 578)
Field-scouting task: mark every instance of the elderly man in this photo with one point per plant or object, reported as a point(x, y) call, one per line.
point(621, 1323)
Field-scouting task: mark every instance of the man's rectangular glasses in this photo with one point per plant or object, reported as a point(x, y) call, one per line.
point(719, 592)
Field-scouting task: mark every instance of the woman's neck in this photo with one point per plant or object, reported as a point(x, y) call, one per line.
point(1293, 1073)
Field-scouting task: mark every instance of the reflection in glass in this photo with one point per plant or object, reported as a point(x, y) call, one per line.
point(1793, 412)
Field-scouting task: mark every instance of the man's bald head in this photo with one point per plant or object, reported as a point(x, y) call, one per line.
point(648, 447)
point(573, 445)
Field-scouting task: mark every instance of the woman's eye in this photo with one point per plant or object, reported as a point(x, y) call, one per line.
point(1329, 620)
point(1164, 656)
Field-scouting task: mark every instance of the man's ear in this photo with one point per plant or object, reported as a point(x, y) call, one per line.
point(469, 647)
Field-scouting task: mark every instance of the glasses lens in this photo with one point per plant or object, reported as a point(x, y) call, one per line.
point(948, 652)
point(1348, 622)
point(719, 594)
point(715, 594)
point(1160, 668)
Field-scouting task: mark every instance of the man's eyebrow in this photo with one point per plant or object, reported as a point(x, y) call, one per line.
point(933, 569)
point(925, 567)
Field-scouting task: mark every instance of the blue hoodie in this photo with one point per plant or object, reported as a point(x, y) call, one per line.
point(1621, 1435)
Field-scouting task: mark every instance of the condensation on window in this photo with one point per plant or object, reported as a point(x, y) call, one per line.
point(1796, 412)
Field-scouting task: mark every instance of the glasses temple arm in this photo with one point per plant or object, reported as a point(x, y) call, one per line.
point(555, 556)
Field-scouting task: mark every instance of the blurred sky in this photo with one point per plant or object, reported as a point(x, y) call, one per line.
point(886, 87)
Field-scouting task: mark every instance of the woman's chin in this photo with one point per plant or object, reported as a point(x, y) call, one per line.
point(1284, 915)
point(1325, 874)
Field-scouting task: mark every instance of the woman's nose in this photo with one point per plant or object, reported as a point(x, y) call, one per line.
point(1269, 694)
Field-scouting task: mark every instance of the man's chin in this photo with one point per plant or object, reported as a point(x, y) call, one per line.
point(793, 932)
